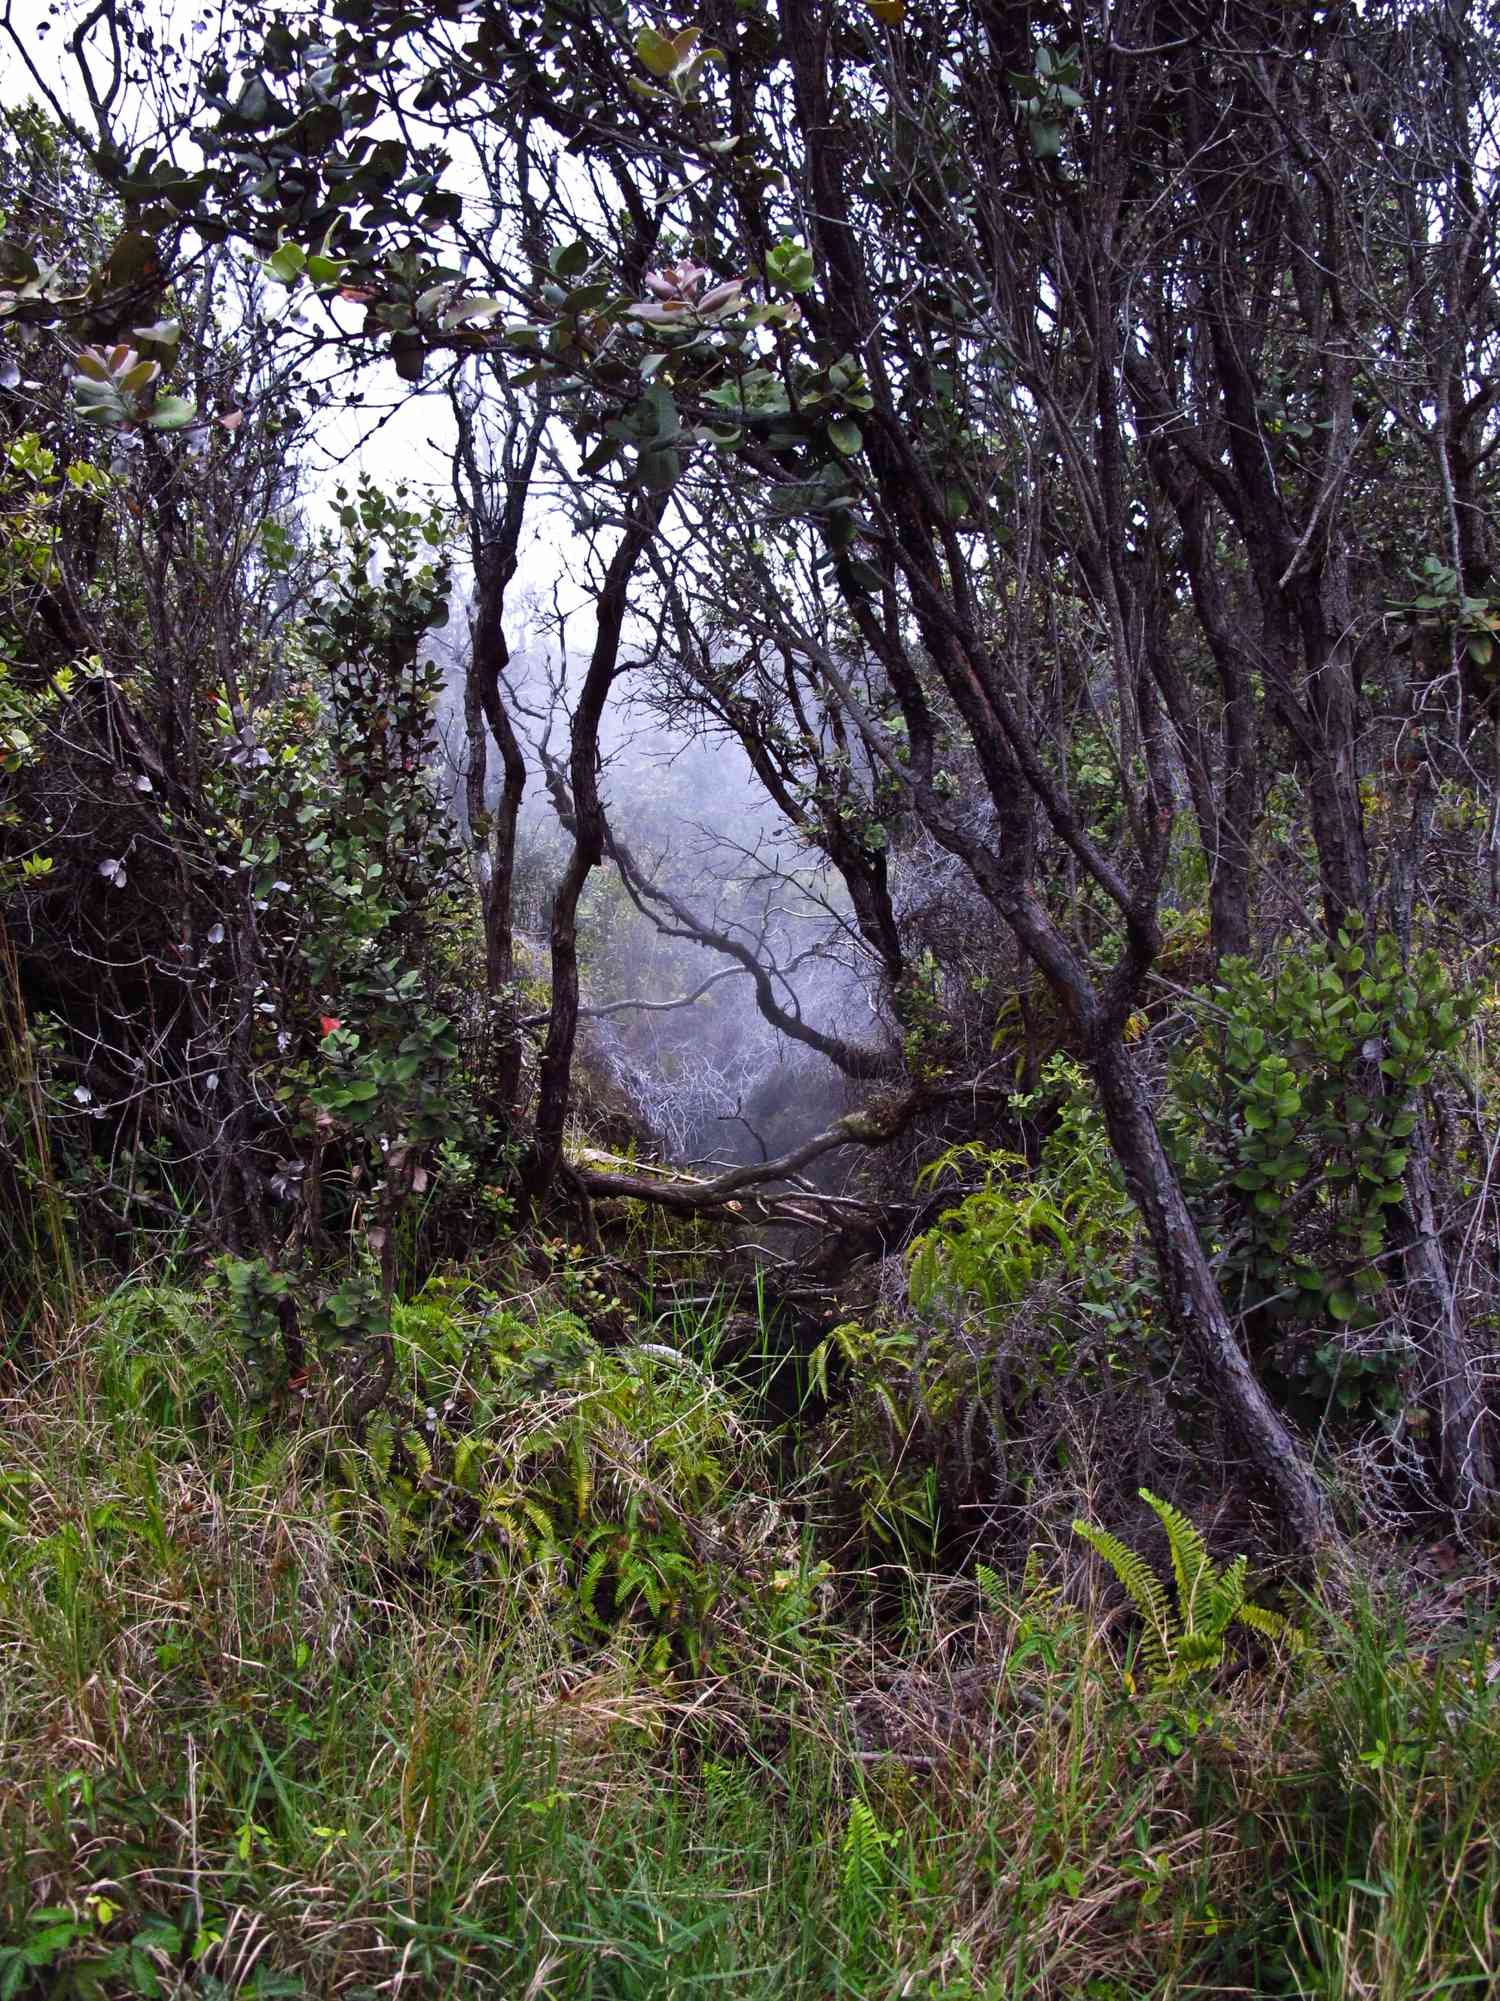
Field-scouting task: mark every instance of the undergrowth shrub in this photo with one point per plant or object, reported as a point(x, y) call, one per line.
point(1291, 1115)
point(512, 1455)
point(246, 1748)
point(358, 879)
point(37, 1262)
point(598, 1484)
point(1031, 1326)
point(281, 1023)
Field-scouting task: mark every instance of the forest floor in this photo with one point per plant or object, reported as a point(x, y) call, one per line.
point(283, 1716)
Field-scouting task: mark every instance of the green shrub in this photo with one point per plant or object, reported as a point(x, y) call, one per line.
point(1291, 1118)
point(513, 1452)
point(1032, 1287)
point(1019, 1227)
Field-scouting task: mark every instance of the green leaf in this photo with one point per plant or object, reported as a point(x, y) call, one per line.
point(481, 306)
point(790, 265)
point(287, 264)
point(845, 436)
point(660, 469)
point(132, 260)
point(408, 354)
point(1342, 1305)
point(171, 413)
point(658, 408)
point(137, 380)
point(656, 52)
point(571, 260)
point(255, 108)
point(597, 459)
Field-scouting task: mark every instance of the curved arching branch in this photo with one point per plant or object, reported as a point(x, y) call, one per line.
point(877, 1125)
point(675, 919)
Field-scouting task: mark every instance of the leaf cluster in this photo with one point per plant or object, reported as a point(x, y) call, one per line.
point(1185, 1639)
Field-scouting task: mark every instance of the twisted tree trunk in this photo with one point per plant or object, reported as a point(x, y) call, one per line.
point(1270, 1451)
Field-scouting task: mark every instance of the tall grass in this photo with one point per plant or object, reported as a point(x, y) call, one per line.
point(242, 1753)
point(38, 1274)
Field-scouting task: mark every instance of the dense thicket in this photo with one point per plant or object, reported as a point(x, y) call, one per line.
point(1057, 455)
point(703, 1126)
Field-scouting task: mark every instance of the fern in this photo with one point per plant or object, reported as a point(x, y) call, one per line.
point(863, 1855)
point(635, 1577)
point(1188, 1639)
point(588, 1583)
point(1192, 1566)
point(380, 1443)
point(991, 1591)
point(417, 1450)
point(583, 1475)
point(469, 1456)
point(1146, 1591)
point(1272, 1626)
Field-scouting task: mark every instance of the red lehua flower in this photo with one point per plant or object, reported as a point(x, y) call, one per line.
point(330, 1023)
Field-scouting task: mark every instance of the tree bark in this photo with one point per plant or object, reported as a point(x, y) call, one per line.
point(495, 523)
point(588, 828)
point(1269, 1449)
point(489, 656)
point(1468, 1478)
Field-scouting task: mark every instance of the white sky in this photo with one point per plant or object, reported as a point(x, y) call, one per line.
point(412, 441)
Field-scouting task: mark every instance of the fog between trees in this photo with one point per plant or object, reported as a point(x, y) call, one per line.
point(708, 1081)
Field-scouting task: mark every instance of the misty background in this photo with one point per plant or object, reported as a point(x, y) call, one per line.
point(709, 1082)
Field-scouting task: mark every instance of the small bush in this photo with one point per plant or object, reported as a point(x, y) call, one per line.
point(1292, 1117)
